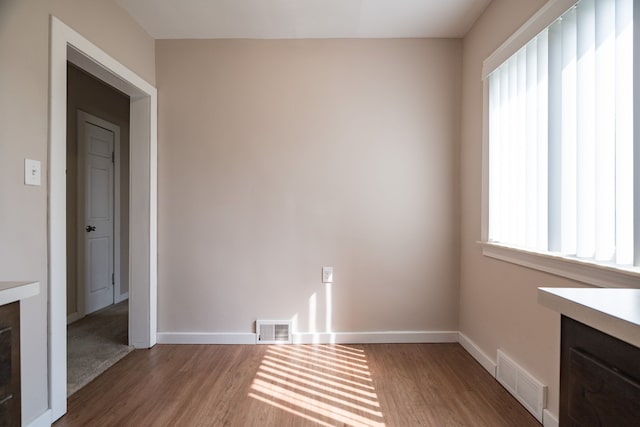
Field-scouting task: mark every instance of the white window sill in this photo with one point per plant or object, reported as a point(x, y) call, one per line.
point(573, 268)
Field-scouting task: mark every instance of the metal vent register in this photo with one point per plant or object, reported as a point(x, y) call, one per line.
point(273, 332)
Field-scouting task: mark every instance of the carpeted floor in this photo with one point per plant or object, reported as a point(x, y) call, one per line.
point(95, 343)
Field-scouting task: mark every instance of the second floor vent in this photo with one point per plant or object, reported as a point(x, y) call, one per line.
point(273, 332)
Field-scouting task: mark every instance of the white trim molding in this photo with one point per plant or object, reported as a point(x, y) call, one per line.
point(43, 420)
point(476, 352)
point(387, 337)
point(538, 22)
point(122, 297)
point(549, 419)
point(206, 338)
point(68, 45)
point(72, 317)
point(571, 268)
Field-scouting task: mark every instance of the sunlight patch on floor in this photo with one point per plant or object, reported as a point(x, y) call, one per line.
point(320, 383)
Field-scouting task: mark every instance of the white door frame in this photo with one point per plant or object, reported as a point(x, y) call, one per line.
point(67, 44)
point(83, 118)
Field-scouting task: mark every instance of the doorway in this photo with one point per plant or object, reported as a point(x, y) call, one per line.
point(98, 124)
point(67, 44)
point(97, 227)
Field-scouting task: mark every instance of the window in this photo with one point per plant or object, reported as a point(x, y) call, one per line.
point(560, 129)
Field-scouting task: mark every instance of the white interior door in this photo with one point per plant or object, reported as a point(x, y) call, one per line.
point(97, 227)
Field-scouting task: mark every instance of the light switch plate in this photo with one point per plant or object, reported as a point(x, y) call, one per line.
point(31, 172)
point(327, 274)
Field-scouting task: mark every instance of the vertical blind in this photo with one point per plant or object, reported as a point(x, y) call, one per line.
point(561, 137)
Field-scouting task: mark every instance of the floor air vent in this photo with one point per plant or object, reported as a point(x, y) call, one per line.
point(522, 385)
point(273, 331)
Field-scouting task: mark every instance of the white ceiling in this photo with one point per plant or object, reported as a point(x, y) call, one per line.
point(286, 19)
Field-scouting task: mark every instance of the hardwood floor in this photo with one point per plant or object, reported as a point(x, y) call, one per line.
point(255, 385)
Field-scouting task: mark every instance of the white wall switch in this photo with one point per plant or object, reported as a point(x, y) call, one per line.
point(327, 274)
point(31, 172)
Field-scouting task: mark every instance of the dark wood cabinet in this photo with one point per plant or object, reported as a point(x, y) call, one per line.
point(10, 409)
point(599, 378)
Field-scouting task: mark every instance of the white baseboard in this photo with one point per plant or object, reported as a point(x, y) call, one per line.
point(72, 318)
point(206, 338)
point(120, 298)
point(43, 420)
point(549, 420)
point(386, 337)
point(311, 338)
point(140, 345)
point(485, 361)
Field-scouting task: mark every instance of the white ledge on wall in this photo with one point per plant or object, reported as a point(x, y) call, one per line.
point(571, 268)
point(16, 291)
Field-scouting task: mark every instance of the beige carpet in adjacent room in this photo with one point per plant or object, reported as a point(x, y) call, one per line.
point(96, 342)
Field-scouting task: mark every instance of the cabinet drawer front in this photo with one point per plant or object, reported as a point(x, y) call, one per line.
point(600, 395)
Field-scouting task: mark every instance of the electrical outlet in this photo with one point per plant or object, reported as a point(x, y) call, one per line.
point(31, 172)
point(327, 274)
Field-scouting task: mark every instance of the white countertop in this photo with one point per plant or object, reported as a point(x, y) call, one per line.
point(610, 310)
point(15, 291)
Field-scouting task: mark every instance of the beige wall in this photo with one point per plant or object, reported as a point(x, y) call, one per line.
point(92, 96)
point(24, 75)
point(279, 157)
point(498, 308)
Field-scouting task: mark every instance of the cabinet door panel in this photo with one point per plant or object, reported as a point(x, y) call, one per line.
point(10, 365)
point(600, 395)
point(599, 378)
